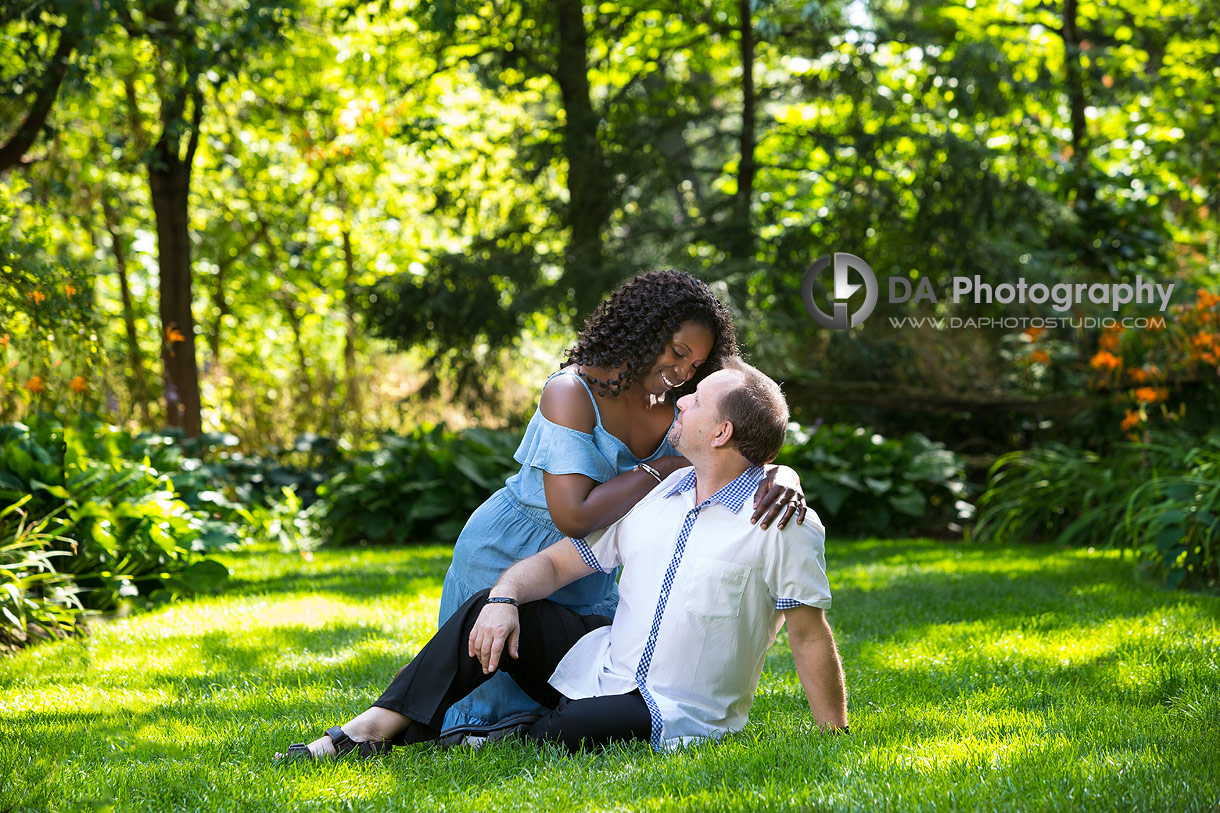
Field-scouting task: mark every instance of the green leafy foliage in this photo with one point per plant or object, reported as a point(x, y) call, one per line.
point(1160, 499)
point(422, 487)
point(863, 483)
point(448, 177)
point(35, 598)
point(127, 534)
point(285, 521)
point(208, 470)
point(415, 488)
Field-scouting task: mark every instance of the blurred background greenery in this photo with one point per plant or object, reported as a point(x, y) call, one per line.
point(295, 269)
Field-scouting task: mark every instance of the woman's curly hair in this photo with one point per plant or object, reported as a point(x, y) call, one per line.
point(631, 327)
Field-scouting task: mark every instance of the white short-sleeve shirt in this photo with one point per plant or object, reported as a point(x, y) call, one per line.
point(701, 599)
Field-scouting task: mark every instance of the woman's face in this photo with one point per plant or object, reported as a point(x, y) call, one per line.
point(686, 350)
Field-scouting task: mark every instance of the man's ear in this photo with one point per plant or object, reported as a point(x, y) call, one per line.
point(724, 433)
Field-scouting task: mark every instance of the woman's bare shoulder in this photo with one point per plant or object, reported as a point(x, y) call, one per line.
point(565, 401)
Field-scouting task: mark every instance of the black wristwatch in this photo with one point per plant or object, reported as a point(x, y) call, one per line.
point(502, 600)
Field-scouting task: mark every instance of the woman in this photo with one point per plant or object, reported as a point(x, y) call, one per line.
point(595, 446)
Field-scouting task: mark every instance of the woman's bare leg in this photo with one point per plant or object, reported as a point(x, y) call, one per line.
point(372, 725)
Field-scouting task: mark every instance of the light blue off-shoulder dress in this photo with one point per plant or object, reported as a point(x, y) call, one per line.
point(514, 523)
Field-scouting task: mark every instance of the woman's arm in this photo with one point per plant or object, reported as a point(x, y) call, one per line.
point(578, 504)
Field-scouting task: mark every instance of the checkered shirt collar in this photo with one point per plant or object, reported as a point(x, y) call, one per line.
point(732, 496)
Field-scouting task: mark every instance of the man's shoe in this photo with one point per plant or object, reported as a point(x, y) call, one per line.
point(476, 735)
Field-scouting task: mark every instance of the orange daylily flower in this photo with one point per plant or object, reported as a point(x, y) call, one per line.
point(1105, 360)
point(70, 290)
point(1206, 300)
point(1108, 341)
point(4, 340)
point(172, 336)
point(1033, 333)
point(1149, 395)
point(1131, 420)
point(1040, 357)
point(78, 384)
point(38, 297)
point(36, 385)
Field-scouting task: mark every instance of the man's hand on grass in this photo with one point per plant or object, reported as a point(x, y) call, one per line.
point(496, 629)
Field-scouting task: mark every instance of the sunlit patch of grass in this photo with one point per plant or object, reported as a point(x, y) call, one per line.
point(980, 679)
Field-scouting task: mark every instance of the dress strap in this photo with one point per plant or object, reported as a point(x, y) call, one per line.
point(597, 414)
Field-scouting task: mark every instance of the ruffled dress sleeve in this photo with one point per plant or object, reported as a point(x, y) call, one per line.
point(553, 449)
point(558, 449)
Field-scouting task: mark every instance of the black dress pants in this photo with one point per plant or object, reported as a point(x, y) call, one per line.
point(443, 673)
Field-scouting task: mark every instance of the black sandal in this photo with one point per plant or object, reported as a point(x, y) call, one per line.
point(344, 745)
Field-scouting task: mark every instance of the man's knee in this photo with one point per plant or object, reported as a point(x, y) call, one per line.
point(594, 722)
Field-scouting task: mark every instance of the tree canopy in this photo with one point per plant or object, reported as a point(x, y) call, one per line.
point(256, 196)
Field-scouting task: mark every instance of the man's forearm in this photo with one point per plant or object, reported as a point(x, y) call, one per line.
point(821, 674)
point(538, 576)
point(497, 628)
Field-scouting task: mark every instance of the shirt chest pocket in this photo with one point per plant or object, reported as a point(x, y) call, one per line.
point(716, 588)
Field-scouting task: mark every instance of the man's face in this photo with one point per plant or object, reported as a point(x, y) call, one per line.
point(698, 420)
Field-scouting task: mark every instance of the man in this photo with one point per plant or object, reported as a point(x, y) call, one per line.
point(702, 595)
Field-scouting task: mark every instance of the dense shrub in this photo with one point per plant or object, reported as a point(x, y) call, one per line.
point(114, 522)
point(34, 597)
point(205, 466)
point(270, 496)
point(861, 483)
point(1160, 498)
point(420, 487)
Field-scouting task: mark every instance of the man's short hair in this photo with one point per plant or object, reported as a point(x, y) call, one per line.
point(758, 412)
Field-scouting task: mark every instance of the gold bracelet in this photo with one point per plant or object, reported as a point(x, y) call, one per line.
point(650, 470)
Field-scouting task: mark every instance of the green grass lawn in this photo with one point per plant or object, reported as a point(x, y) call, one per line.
point(978, 678)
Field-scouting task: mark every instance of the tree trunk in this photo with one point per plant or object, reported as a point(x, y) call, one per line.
point(221, 303)
point(741, 232)
point(589, 203)
point(305, 404)
point(1076, 98)
point(351, 393)
point(119, 246)
point(169, 180)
